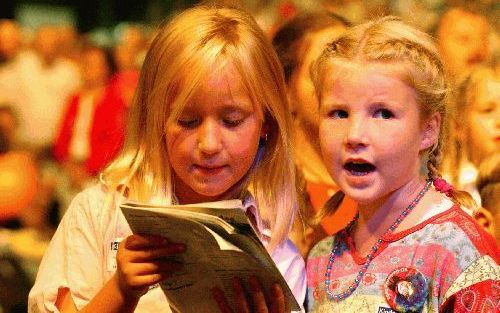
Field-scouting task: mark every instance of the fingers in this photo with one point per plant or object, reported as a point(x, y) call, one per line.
point(258, 297)
point(240, 297)
point(156, 253)
point(143, 241)
point(144, 248)
point(278, 299)
point(142, 261)
point(162, 267)
point(219, 297)
point(142, 281)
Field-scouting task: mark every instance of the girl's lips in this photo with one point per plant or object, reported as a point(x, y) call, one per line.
point(209, 170)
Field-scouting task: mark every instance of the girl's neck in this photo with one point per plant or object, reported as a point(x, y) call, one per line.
point(308, 159)
point(376, 217)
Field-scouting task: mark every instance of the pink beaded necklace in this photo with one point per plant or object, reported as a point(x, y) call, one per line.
point(336, 246)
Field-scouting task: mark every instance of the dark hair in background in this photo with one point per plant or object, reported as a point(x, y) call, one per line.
point(288, 40)
point(488, 182)
point(108, 56)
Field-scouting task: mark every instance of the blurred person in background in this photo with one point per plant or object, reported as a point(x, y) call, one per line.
point(463, 40)
point(10, 46)
point(25, 228)
point(474, 132)
point(10, 40)
point(93, 126)
point(298, 43)
point(36, 82)
point(18, 190)
point(69, 43)
point(45, 82)
point(128, 54)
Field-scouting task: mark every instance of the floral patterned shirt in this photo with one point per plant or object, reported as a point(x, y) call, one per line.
point(447, 263)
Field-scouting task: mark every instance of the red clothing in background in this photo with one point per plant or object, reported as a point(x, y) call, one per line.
point(107, 130)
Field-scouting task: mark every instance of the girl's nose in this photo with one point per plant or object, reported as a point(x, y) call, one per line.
point(209, 137)
point(355, 133)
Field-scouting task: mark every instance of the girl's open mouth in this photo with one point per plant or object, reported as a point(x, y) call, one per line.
point(359, 168)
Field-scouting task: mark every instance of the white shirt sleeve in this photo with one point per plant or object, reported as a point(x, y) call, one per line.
point(292, 267)
point(73, 258)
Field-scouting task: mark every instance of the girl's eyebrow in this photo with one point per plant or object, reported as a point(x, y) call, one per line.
point(333, 104)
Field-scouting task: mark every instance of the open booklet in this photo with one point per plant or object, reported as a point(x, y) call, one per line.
point(221, 244)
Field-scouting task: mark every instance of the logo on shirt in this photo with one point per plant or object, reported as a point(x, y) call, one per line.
point(382, 309)
point(113, 249)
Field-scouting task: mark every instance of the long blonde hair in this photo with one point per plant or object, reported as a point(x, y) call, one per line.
point(181, 56)
point(414, 57)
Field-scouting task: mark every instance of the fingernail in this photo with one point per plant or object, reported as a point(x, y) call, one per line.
point(276, 289)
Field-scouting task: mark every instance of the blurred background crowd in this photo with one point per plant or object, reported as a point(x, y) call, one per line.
point(68, 71)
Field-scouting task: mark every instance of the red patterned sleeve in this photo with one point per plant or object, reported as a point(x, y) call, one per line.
point(480, 297)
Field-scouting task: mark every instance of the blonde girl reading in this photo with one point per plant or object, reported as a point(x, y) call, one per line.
point(412, 248)
point(209, 122)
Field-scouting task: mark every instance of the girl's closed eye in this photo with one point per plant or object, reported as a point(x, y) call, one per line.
point(234, 118)
point(486, 108)
point(188, 121)
point(232, 121)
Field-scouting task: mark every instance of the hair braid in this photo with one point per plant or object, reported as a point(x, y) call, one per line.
point(433, 162)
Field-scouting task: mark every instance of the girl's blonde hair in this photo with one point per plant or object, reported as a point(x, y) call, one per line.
point(184, 52)
point(409, 53)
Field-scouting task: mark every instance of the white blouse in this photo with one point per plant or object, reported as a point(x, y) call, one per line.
point(82, 255)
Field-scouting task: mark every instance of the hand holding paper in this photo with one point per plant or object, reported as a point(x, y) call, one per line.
point(142, 261)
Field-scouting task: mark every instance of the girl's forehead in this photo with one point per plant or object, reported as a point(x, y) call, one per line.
point(221, 87)
point(223, 81)
point(365, 83)
point(367, 72)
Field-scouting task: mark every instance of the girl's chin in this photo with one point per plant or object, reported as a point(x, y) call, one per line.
point(216, 193)
point(361, 194)
point(362, 199)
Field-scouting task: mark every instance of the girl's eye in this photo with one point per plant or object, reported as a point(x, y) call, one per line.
point(338, 114)
point(383, 114)
point(487, 109)
point(232, 122)
point(188, 122)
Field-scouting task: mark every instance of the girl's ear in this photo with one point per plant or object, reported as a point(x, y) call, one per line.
point(430, 131)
